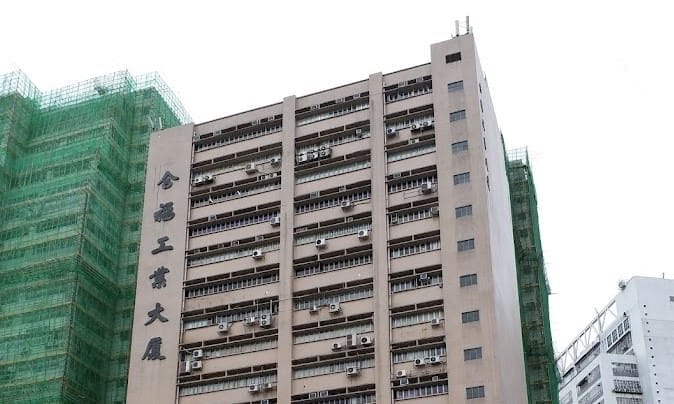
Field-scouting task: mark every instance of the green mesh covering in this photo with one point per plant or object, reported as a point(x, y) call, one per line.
point(72, 172)
point(532, 282)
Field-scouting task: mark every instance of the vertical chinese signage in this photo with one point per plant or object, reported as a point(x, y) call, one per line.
point(156, 326)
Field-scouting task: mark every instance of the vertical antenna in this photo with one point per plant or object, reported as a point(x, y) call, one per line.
point(468, 25)
point(456, 25)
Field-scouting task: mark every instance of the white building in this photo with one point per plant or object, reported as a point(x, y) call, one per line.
point(626, 354)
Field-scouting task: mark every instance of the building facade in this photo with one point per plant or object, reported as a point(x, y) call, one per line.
point(72, 172)
point(349, 246)
point(626, 354)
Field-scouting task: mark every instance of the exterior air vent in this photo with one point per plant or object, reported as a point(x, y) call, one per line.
point(363, 234)
point(203, 180)
point(335, 308)
point(250, 168)
point(366, 340)
point(321, 243)
point(223, 328)
point(258, 254)
point(401, 373)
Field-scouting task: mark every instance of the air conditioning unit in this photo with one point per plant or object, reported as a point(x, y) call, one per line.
point(250, 168)
point(223, 327)
point(275, 221)
point(363, 234)
point(250, 321)
point(413, 141)
point(366, 340)
point(265, 321)
point(397, 175)
point(321, 243)
point(313, 309)
point(336, 346)
point(416, 127)
point(253, 388)
point(394, 219)
point(426, 187)
point(390, 132)
point(323, 393)
point(314, 194)
point(404, 381)
point(424, 278)
point(325, 153)
point(312, 155)
point(313, 395)
point(346, 204)
point(255, 122)
point(275, 161)
point(435, 378)
point(212, 217)
point(203, 180)
point(435, 360)
point(435, 211)
point(427, 123)
point(315, 107)
point(271, 118)
point(352, 371)
point(302, 158)
point(258, 254)
point(334, 308)
point(217, 132)
point(419, 362)
point(268, 386)
point(352, 341)
point(197, 354)
point(196, 365)
point(339, 100)
point(184, 368)
point(436, 322)
point(401, 373)
point(234, 243)
point(359, 132)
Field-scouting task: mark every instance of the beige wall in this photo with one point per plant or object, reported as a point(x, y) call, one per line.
point(500, 370)
point(154, 380)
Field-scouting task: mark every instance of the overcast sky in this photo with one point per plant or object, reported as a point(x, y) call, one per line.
point(586, 85)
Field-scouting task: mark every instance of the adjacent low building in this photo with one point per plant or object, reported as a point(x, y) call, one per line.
point(626, 354)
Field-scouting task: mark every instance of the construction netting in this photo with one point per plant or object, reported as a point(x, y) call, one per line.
point(541, 374)
point(72, 172)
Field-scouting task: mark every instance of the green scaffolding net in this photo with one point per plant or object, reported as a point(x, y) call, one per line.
point(72, 172)
point(532, 282)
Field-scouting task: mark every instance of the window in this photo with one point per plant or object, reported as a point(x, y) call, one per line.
point(348, 295)
point(410, 216)
point(472, 354)
point(627, 386)
point(318, 267)
point(335, 367)
point(462, 211)
point(457, 116)
point(462, 178)
point(312, 205)
point(416, 318)
point(455, 86)
point(332, 233)
point(628, 400)
point(423, 247)
point(453, 57)
point(408, 93)
point(625, 369)
point(231, 254)
point(239, 192)
point(333, 170)
point(334, 113)
point(412, 183)
point(240, 348)
point(232, 285)
point(232, 224)
point(421, 391)
point(319, 334)
point(345, 138)
point(460, 146)
point(465, 245)
point(228, 384)
point(407, 153)
point(468, 280)
point(470, 316)
point(421, 352)
point(237, 137)
point(413, 283)
point(474, 392)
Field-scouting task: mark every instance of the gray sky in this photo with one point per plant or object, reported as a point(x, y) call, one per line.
point(587, 85)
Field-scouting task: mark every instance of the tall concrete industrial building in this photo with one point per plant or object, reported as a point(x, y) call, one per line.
point(72, 172)
point(626, 354)
point(350, 246)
